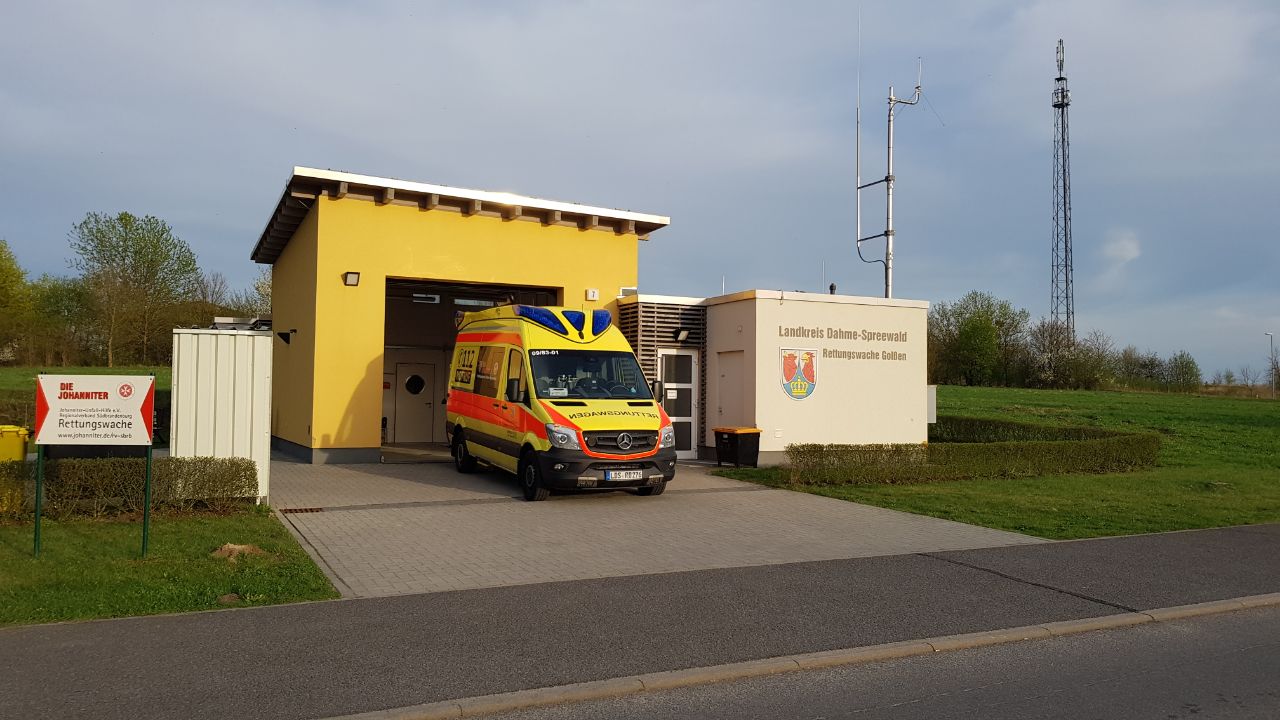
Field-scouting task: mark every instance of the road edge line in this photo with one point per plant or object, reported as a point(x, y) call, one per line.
point(671, 679)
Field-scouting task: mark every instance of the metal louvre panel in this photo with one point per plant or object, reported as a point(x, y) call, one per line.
point(656, 325)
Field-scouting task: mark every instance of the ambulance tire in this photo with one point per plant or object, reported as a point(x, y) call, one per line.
point(531, 478)
point(463, 461)
point(650, 490)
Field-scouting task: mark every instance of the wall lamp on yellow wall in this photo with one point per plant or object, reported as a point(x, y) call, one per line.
point(351, 279)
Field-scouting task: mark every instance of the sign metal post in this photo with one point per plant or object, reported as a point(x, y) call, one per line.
point(146, 508)
point(39, 492)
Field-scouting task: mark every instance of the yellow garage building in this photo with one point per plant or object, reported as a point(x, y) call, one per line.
point(369, 274)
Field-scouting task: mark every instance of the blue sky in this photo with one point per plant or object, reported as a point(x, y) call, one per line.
point(736, 119)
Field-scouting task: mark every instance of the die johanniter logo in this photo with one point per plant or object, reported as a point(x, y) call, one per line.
point(799, 372)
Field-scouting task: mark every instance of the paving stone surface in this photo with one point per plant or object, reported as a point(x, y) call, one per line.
point(414, 528)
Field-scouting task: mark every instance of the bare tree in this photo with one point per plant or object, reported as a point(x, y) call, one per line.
point(256, 300)
point(1248, 376)
point(1273, 371)
point(213, 289)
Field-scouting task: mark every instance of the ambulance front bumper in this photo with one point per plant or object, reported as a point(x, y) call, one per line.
point(569, 469)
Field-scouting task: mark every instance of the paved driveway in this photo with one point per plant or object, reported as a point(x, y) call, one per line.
point(413, 528)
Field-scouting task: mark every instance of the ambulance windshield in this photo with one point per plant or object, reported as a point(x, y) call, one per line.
point(587, 374)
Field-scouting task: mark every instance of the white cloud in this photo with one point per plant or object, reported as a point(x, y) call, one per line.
point(1121, 246)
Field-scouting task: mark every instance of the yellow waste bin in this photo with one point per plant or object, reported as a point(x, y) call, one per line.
point(13, 442)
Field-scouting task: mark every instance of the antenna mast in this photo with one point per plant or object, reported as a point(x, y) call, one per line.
point(888, 181)
point(1062, 302)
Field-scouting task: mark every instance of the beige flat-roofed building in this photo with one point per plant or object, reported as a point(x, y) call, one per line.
point(814, 368)
point(801, 367)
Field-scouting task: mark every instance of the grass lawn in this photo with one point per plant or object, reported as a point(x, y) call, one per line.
point(23, 379)
point(92, 569)
point(1219, 465)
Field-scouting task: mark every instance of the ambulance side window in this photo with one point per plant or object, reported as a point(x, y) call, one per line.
point(515, 378)
point(464, 367)
point(488, 370)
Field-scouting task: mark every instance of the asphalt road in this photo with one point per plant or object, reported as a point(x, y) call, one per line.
point(342, 657)
point(1222, 666)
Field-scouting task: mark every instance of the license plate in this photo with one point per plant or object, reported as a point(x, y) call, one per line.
point(624, 475)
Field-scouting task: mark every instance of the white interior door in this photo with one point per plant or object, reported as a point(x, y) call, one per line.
point(678, 371)
point(415, 402)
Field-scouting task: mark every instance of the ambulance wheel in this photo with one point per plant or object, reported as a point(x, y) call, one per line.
point(462, 460)
point(649, 490)
point(531, 478)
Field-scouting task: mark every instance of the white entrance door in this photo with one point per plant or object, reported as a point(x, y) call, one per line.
point(678, 372)
point(415, 402)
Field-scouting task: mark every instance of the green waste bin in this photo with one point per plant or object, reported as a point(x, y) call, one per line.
point(13, 442)
point(737, 445)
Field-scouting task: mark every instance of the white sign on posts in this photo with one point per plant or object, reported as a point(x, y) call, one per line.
point(94, 409)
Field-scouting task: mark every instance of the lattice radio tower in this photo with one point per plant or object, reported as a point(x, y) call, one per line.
point(1063, 305)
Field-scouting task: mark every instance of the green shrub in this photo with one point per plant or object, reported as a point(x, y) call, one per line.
point(964, 448)
point(16, 480)
point(101, 486)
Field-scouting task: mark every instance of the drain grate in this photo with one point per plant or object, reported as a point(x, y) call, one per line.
point(290, 511)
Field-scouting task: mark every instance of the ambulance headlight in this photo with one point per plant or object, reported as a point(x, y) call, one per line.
point(562, 437)
point(668, 437)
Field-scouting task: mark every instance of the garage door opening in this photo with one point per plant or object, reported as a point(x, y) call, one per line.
point(418, 338)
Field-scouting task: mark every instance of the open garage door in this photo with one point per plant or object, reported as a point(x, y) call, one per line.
point(418, 339)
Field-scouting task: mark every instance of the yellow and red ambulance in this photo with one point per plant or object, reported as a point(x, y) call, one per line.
point(555, 396)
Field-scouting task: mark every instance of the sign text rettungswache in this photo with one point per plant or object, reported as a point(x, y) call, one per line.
point(94, 409)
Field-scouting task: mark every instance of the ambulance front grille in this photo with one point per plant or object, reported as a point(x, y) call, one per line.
point(607, 441)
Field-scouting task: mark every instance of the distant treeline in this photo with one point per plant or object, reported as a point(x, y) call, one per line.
point(134, 281)
point(982, 340)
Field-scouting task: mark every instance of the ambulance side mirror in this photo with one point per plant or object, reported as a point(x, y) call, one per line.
point(655, 387)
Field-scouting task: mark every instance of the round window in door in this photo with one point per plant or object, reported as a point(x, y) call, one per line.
point(415, 384)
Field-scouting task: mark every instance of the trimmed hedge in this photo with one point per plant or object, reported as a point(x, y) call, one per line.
point(963, 448)
point(961, 429)
point(103, 486)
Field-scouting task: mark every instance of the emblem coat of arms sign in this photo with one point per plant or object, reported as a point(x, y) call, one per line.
point(799, 372)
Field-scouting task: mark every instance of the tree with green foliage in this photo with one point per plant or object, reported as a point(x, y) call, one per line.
point(56, 331)
point(15, 301)
point(1182, 372)
point(975, 349)
point(138, 272)
point(956, 329)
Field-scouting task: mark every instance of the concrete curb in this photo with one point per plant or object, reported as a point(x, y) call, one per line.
point(618, 687)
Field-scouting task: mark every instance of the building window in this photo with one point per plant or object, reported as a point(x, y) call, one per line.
point(415, 384)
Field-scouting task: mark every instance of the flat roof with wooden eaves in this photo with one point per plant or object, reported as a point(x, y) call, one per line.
point(308, 184)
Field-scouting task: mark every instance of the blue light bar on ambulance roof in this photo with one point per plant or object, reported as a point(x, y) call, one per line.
point(600, 320)
point(543, 317)
point(576, 318)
